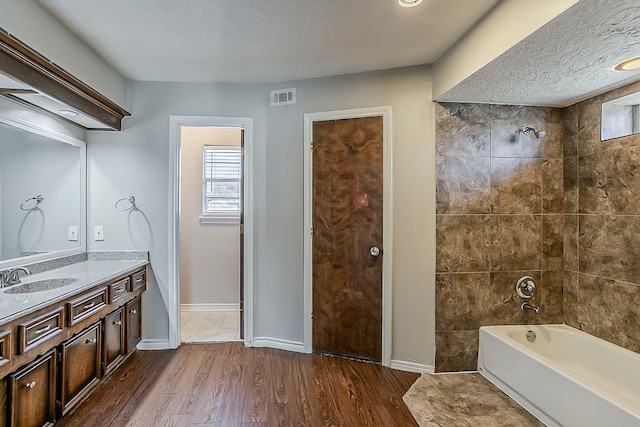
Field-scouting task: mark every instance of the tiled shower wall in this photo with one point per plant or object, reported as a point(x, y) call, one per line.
point(499, 216)
point(602, 226)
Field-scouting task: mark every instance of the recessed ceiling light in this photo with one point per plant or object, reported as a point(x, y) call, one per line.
point(630, 64)
point(409, 3)
point(68, 113)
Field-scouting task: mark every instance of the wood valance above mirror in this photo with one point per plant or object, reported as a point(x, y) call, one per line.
point(19, 61)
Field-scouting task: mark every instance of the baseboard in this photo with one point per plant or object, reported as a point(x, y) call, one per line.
point(280, 344)
point(153, 345)
point(210, 307)
point(418, 368)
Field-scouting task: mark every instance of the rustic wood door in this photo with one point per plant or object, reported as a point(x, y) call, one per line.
point(347, 237)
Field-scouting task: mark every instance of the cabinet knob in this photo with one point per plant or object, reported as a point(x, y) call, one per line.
point(133, 311)
point(117, 322)
point(93, 341)
point(32, 384)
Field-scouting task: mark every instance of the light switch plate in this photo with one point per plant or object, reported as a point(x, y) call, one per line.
point(98, 233)
point(73, 233)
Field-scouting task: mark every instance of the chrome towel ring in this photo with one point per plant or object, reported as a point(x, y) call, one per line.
point(36, 202)
point(122, 205)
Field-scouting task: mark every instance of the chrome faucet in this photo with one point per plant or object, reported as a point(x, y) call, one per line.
point(528, 308)
point(526, 289)
point(11, 277)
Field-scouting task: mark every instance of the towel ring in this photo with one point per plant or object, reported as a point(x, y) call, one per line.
point(123, 207)
point(38, 199)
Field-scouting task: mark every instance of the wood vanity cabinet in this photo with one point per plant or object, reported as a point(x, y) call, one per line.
point(80, 366)
point(32, 393)
point(133, 324)
point(113, 340)
point(63, 350)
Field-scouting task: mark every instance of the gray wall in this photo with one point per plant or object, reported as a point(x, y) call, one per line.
point(136, 161)
point(32, 24)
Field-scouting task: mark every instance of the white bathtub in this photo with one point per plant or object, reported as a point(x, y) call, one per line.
point(565, 377)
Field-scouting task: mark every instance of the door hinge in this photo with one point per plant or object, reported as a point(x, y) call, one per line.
point(241, 228)
point(59, 357)
point(311, 145)
point(311, 232)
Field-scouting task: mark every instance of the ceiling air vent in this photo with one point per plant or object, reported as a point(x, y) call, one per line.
point(283, 96)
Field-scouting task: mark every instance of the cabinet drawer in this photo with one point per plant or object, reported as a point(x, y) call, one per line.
point(86, 305)
point(5, 347)
point(40, 329)
point(117, 290)
point(138, 280)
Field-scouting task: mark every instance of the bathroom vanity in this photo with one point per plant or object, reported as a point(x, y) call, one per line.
point(62, 332)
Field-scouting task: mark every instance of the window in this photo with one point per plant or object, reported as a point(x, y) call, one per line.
point(221, 180)
point(621, 117)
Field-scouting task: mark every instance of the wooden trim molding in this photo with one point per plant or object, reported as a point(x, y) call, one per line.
point(30, 67)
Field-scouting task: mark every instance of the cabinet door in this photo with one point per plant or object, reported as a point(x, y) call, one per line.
point(79, 366)
point(32, 393)
point(113, 343)
point(133, 323)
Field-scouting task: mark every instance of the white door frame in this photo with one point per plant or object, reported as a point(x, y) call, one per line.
point(387, 218)
point(173, 297)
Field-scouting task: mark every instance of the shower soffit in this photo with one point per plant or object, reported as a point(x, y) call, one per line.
point(567, 60)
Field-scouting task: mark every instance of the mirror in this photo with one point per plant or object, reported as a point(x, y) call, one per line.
point(42, 193)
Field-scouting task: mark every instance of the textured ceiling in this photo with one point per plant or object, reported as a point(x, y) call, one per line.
point(264, 41)
point(565, 61)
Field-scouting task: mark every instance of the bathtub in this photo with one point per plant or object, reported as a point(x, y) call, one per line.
point(565, 377)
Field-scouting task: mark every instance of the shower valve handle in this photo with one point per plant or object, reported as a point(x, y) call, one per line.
point(526, 287)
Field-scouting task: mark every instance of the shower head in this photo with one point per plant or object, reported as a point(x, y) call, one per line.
point(538, 133)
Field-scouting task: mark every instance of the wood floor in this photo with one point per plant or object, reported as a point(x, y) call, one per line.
point(228, 385)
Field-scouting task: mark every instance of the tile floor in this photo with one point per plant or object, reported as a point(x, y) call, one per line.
point(209, 326)
point(464, 400)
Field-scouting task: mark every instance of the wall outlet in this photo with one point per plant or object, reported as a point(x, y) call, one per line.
point(98, 233)
point(73, 233)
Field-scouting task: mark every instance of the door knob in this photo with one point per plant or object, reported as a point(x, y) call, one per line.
point(374, 251)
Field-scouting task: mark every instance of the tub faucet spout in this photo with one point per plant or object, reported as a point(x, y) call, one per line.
point(528, 308)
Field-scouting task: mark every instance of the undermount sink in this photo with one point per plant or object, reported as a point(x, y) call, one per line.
point(39, 286)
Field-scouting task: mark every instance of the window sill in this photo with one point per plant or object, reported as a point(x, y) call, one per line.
point(225, 220)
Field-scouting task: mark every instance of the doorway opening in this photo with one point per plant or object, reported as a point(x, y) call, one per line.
point(211, 230)
point(348, 233)
point(210, 233)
